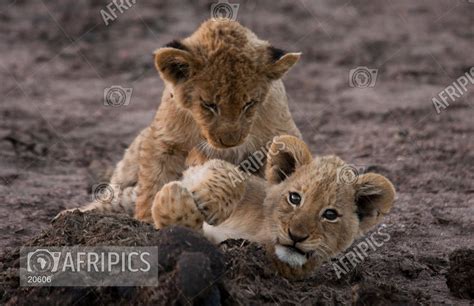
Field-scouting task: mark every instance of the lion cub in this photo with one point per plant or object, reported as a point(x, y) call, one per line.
point(223, 97)
point(302, 212)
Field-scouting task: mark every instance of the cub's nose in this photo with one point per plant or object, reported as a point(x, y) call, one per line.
point(297, 236)
point(230, 139)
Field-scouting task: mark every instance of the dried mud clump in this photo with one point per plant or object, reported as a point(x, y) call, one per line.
point(190, 267)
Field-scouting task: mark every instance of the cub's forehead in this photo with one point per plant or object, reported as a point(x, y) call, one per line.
point(234, 64)
point(322, 170)
point(319, 180)
point(231, 76)
point(227, 43)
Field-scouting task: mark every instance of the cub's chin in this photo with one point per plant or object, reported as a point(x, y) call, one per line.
point(291, 262)
point(292, 256)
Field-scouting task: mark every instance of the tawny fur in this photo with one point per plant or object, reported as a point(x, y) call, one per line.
point(263, 213)
point(223, 98)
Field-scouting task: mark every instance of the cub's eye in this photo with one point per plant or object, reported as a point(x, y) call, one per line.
point(209, 106)
point(330, 214)
point(294, 198)
point(249, 105)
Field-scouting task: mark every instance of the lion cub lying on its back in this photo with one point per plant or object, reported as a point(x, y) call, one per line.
point(301, 212)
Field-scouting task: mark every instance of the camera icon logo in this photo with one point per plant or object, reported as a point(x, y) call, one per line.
point(43, 260)
point(117, 96)
point(224, 9)
point(362, 77)
point(105, 193)
point(349, 174)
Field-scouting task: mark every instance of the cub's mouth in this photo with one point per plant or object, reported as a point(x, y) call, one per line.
point(292, 255)
point(293, 248)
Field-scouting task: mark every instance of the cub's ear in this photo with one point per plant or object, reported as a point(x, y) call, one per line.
point(174, 62)
point(286, 154)
point(374, 196)
point(280, 62)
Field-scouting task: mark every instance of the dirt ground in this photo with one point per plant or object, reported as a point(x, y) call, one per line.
point(57, 137)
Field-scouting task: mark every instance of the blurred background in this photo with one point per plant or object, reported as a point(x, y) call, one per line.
point(363, 90)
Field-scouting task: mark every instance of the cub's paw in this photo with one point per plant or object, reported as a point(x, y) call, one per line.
point(215, 193)
point(213, 207)
point(174, 204)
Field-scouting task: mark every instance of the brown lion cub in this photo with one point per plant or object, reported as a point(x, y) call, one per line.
point(302, 212)
point(223, 98)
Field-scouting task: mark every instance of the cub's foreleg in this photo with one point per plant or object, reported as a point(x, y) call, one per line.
point(161, 161)
point(216, 188)
point(205, 194)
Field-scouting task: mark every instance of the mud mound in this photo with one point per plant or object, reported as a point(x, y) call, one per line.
point(191, 270)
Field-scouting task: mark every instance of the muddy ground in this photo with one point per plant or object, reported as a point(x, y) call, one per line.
point(57, 137)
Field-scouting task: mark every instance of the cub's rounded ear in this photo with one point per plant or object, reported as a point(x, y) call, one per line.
point(286, 154)
point(174, 62)
point(280, 62)
point(374, 196)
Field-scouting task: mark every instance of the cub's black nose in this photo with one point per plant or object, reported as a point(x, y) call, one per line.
point(297, 237)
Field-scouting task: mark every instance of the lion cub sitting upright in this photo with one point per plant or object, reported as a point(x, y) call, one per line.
point(302, 212)
point(223, 98)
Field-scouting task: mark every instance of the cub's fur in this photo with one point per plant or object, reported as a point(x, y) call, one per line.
point(223, 98)
point(302, 212)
